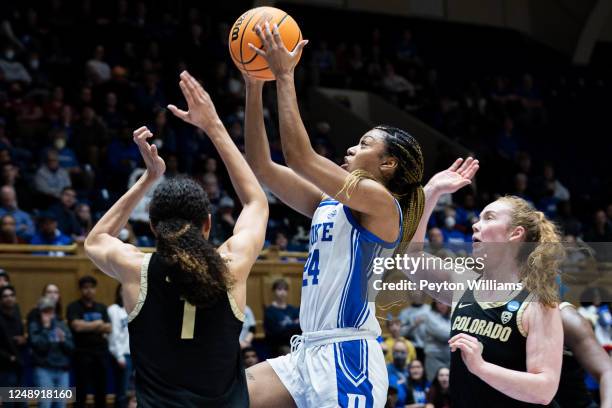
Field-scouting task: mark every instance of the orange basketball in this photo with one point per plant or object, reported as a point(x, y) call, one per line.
point(243, 33)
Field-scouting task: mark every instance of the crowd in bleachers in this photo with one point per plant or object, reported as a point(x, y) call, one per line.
point(69, 105)
point(536, 136)
point(87, 344)
point(77, 77)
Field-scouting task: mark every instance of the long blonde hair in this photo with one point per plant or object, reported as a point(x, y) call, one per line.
point(404, 184)
point(539, 265)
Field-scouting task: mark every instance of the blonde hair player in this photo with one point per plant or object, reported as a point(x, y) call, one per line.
point(359, 210)
point(505, 352)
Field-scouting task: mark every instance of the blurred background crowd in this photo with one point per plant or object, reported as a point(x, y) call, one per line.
point(77, 77)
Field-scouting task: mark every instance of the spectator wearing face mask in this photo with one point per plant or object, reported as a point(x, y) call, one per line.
point(66, 156)
point(398, 372)
point(452, 236)
point(394, 325)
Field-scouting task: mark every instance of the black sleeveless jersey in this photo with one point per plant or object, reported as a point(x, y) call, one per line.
point(497, 326)
point(184, 356)
point(572, 392)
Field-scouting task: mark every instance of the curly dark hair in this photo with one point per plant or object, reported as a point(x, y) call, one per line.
point(178, 210)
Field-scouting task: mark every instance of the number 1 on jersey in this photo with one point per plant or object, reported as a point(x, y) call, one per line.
point(189, 313)
point(311, 269)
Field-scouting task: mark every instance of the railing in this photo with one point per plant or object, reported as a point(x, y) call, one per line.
point(30, 272)
point(271, 253)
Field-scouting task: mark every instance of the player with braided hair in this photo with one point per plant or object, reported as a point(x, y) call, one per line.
point(360, 210)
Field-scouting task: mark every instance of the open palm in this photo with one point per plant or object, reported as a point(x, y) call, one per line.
point(457, 176)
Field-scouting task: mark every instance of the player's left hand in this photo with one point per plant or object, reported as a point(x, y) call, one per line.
point(457, 176)
point(471, 351)
point(280, 59)
point(155, 164)
point(201, 110)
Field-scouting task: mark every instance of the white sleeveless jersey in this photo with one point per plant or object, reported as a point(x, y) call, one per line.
point(336, 273)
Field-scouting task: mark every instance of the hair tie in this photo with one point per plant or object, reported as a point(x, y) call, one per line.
point(180, 232)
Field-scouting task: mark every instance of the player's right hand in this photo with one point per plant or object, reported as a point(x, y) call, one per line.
point(156, 166)
point(201, 110)
point(251, 81)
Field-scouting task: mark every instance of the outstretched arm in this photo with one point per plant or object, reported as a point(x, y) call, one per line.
point(292, 189)
point(457, 176)
point(113, 257)
point(370, 197)
point(250, 229)
point(581, 340)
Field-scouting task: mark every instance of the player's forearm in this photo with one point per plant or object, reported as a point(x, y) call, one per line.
point(296, 145)
point(431, 198)
point(605, 389)
point(83, 326)
point(256, 143)
point(534, 388)
point(244, 181)
point(118, 215)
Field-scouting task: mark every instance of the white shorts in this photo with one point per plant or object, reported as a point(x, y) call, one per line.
point(325, 374)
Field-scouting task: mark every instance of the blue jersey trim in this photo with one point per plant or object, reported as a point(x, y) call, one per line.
point(354, 245)
point(351, 358)
point(371, 236)
point(324, 203)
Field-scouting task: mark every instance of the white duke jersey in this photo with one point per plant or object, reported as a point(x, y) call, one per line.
point(339, 265)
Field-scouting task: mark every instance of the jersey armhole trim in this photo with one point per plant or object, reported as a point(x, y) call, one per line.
point(370, 236)
point(563, 305)
point(519, 314)
point(142, 292)
point(239, 314)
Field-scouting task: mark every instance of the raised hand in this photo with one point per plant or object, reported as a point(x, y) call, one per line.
point(279, 58)
point(251, 82)
point(457, 176)
point(155, 164)
point(201, 110)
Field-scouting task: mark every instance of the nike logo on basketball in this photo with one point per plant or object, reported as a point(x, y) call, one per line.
point(463, 305)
